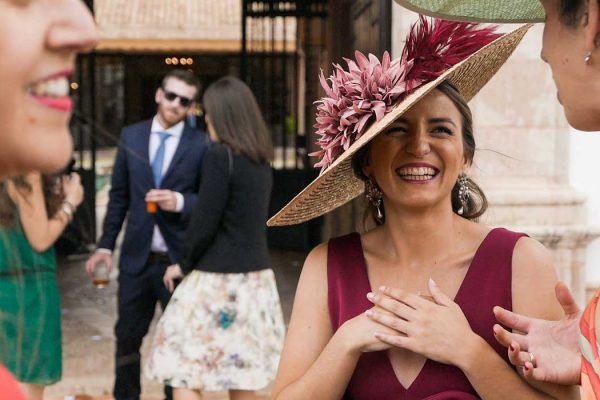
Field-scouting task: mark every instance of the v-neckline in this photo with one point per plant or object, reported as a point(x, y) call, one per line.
point(366, 282)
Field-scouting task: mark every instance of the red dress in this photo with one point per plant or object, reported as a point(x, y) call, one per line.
point(486, 284)
point(8, 386)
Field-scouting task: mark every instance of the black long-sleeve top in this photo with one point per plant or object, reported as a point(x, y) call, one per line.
point(227, 230)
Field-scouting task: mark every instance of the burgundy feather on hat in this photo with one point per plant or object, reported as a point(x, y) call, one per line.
point(371, 88)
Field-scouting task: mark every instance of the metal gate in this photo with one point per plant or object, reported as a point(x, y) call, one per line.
point(283, 47)
point(371, 26)
point(82, 129)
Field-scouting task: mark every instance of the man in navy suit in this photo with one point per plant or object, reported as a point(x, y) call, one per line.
point(158, 162)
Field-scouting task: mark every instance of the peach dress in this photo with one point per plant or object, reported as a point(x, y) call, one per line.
point(590, 360)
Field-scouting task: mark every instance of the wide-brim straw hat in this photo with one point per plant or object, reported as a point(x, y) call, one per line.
point(499, 11)
point(337, 184)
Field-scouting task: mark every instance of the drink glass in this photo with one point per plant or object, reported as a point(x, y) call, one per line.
point(100, 277)
point(151, 207)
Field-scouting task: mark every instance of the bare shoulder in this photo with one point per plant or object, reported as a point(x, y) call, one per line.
point(533, 280)
point(34, 178)
point(312, 285)
point(532, 259)
point(318, 254)
point(315, 265)
point(22, 195)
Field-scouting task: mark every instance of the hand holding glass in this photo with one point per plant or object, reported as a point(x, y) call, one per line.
point(101, 275)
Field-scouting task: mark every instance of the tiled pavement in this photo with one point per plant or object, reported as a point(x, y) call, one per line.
point(88, 320)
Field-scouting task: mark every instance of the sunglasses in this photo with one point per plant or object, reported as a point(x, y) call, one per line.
point(184, 101)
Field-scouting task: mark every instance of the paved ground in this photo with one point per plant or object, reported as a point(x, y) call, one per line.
point(88, 320)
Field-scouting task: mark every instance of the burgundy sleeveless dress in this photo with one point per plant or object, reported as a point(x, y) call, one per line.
point(486, 284)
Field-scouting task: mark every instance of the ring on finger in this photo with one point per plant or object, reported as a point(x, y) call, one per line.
point(531, 359)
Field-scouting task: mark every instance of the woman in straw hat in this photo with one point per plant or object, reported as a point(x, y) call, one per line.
point(405, 309)
point(550, 351)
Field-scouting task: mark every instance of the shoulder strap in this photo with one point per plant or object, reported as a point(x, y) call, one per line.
point(491, 269)
point(347, 280)
point(489, 283)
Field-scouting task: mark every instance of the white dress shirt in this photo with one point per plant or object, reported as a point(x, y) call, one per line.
point(158, 242)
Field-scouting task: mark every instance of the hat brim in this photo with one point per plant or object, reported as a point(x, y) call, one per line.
point(498, 11)
point(337, 184)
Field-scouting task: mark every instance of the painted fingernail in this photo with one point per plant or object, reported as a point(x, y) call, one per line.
point(526, 367)
point(511, 348)
point(370, 296)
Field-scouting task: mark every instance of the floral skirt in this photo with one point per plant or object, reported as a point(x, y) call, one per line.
point(219, 332)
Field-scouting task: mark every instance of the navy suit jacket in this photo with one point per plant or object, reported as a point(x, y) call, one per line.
point(132, 179)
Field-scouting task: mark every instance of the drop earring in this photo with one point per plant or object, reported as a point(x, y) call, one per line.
point(375, 197)
point(463, 193)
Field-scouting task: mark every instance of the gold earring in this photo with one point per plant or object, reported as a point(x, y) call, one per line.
point(588, 58)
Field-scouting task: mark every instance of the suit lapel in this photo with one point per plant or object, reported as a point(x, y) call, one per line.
point(182, 148)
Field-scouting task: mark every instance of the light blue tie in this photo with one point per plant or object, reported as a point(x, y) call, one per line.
point(159, 157)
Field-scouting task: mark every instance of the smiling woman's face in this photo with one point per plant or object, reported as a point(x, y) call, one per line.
point(39, 40)
point(417, 161)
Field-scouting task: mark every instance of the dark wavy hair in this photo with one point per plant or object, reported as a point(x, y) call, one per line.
point(53, 197)
point(185, 76)
point(477, 202)
point(236, 117)
point(571, 11)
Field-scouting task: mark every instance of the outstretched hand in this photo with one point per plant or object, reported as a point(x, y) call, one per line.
point(554, 344)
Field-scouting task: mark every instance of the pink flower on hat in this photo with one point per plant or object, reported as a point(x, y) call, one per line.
point(367, 91)
point(370, 88)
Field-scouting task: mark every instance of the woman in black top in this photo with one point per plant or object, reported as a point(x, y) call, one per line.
point(223, 328)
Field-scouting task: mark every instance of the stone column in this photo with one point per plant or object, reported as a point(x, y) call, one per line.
point(522, 162)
